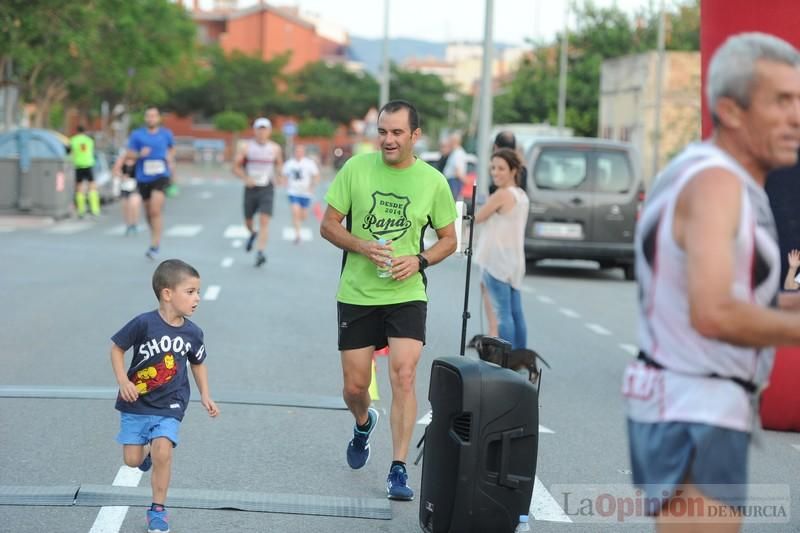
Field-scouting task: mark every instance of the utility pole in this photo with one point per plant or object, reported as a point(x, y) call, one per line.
point(562, 70)
point(384, 97)
point(485, 109)
point(659, 82)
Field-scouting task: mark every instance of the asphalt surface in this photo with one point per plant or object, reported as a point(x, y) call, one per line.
point(67, 286)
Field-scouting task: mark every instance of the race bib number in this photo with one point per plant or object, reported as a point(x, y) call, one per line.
point(128, 185)
point(154, 167)
point(640, 381)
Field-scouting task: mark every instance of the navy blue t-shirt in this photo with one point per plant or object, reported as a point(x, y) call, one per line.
point(158, 368)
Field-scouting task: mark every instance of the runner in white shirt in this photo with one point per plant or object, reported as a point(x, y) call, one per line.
point(302, 175)
point(258, 163)
point(708, 267)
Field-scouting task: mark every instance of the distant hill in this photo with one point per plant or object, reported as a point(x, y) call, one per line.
point(369, 51)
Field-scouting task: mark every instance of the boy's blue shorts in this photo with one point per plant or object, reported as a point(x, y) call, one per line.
point(142, 429)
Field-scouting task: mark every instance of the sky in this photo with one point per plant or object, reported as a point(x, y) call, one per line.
point(448, 20)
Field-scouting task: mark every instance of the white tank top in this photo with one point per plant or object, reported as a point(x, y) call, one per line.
point(683, 390)
point(260, 161)
point(501, 245)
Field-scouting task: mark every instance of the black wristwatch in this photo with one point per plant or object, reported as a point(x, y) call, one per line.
point(423, 263)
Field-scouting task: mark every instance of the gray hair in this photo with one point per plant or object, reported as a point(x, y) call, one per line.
point(732, 69)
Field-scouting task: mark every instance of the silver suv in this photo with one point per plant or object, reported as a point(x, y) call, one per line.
point(585, 198)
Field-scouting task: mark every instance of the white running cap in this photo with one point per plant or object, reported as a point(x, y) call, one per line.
point(262, 123)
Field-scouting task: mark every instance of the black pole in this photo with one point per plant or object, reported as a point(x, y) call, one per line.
point(468, 251)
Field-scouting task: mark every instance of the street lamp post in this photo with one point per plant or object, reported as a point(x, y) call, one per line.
point(384, 97)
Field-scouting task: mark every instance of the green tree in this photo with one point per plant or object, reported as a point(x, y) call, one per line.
point(426, 91)
point(81, 53)
point(231, 121)
point(333, 92)
point(233, 82)
point(316, 127)
point(601, 33)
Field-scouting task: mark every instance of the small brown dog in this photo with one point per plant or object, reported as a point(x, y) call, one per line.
point(499, 352)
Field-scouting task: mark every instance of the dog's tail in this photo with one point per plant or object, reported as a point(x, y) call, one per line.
point(542, 359)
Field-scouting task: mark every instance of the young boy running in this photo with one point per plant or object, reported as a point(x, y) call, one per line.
point(154, 392)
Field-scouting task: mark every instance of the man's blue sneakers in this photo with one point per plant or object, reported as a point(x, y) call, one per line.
point(358, 449)
point(397, 484)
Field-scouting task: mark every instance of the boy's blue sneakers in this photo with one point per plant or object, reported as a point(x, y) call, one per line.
point(147, 462)
point(157, 521)
point(358, 449)
point(397, 484)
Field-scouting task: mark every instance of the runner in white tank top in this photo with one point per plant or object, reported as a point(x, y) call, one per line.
point(258, 164)
point(708, 265)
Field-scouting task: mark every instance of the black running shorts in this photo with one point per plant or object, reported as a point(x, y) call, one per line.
point(146, 189)
point(84, 174)
point(365, 325)
point(258, 200)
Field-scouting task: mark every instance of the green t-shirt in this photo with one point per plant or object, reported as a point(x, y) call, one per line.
point(395, 204)
point(82, 151)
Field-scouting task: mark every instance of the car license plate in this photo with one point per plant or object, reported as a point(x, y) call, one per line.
point(558, 230)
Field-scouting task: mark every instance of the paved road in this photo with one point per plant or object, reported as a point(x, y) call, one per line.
point(67, 286)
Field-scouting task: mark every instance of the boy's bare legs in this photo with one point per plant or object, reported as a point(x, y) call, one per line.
point(134, 454)
point(161, 452)
point(297, 221)
point(404, 355)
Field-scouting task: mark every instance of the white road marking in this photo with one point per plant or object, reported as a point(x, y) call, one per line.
point(68, 228)
point(196, 181)
point(569, 312)
point(600, 330)
point(426, 419)
point(184, 230)
point(227, 262)
point(544, 507)
point(7, 229)
point(289, 234)
point(630, 348)
point(236, 232)
point(544, 299)
point(206, 195)
point(110, 519)
point(237, 243)
point(212, 292)
point(796, 447)
point(525, 288)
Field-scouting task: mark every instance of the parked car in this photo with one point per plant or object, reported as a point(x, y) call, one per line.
point(107, 186)
point(585, 197)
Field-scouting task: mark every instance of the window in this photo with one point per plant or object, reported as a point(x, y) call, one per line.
point(613, 172)
point(560, 169)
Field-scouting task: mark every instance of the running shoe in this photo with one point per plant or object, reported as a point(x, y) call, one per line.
point(250, 241)
point(152, 253)
point(157, 520)
point(358, 449)
point(146, 463)
point(397, 484)
point(260, 259)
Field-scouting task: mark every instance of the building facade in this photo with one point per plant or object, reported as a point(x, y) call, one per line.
point(628, 103)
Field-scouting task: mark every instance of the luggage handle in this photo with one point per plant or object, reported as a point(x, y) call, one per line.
point(505, 451)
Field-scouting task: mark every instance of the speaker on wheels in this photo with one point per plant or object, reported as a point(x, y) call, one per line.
point(479, 459)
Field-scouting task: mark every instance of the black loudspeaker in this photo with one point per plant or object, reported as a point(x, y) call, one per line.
point(480, 450)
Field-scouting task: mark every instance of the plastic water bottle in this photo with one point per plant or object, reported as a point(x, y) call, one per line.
point(384, 271)
point(523, 524)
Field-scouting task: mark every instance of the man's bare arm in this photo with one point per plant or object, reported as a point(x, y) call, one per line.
point(707, 235)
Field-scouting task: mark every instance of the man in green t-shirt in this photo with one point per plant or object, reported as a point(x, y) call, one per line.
point(389, 198)
point(81, 148)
